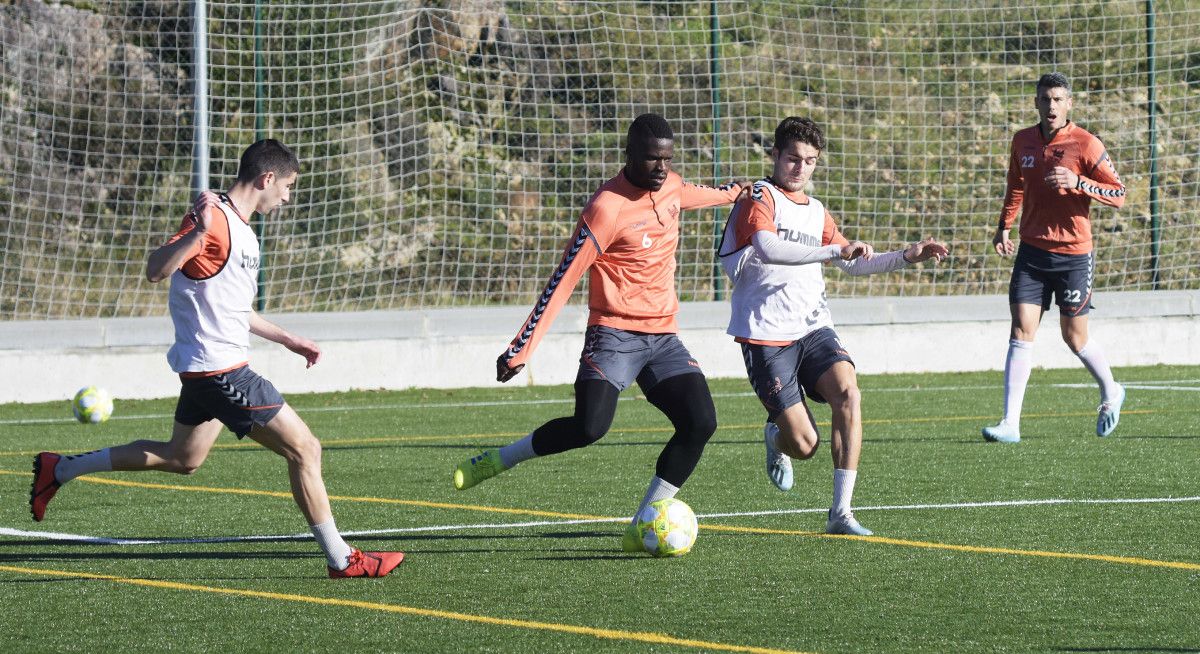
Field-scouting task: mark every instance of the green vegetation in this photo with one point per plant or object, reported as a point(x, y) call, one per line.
point(939, 578)
point(448, 146)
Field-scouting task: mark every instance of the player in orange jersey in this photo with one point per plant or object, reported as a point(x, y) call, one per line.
point(1055, 170)
point(626, 239)
point(212, 262)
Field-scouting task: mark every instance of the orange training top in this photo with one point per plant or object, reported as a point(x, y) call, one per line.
point(627, 237)
point(1056, 220)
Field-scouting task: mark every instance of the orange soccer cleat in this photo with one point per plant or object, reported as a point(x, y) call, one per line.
point(44, 484)
point(368, 564)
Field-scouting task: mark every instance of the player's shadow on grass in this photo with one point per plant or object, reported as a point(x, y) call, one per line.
point(317, 559)
point(240, 555)
point(956, 439)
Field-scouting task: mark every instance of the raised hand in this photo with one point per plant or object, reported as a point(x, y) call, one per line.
point(200, 211)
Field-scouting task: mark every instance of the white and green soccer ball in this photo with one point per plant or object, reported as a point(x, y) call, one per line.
point(667, 527)
point(92, 405)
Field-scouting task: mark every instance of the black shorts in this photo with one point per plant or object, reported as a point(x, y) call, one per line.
point(619, 357)
point(239, 398)
point(781, 376)
point(1038, 274)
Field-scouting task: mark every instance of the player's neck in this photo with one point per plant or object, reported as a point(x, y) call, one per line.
point(1049, 134)
point(244, 198)
point(798, 195)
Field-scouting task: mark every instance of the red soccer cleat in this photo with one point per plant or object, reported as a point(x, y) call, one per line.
point(368, 564)
point(44, 484)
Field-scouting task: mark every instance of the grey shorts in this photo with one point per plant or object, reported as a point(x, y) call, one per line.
point(781, 376)
point(619, 357)
point(239, 398)
point(1038, 274)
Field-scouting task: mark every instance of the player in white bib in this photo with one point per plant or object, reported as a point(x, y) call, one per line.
point(775, 240)
point(212, 262)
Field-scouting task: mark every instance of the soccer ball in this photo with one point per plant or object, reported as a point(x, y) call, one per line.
point(667, 527)
point(92, 405)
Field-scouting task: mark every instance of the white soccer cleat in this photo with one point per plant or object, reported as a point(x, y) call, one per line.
point(845, 525)
point(1110, 414)
point(779, 465)
point(1002, 433)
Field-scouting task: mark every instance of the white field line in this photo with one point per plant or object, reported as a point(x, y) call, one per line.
point(1155, 385)
point(100, 540)
point(1138, 386)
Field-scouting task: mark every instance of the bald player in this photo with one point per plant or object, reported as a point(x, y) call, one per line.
point(626, 241)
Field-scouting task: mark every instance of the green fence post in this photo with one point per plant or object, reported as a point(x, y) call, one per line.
point(1151, 110)
point(715, 76)
point(260, 133)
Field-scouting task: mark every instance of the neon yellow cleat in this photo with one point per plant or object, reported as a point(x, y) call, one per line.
point(478, 468)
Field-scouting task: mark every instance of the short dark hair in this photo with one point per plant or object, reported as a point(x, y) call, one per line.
point(267, 156)
point(649, 126)
point(804, 130)
point(1055, 80)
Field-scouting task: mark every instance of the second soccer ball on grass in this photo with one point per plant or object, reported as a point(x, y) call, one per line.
point(667, 527)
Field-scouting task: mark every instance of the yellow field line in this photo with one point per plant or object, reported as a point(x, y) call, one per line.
point(333, 442)
point(594, 632)
point(346, 498)
point(976, 549)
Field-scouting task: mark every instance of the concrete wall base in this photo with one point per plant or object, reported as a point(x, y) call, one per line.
point(457, 348)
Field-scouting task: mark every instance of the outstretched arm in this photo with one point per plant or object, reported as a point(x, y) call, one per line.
point(264, 328)
point(579, 254)
point(920, 251)
point(925, 250)
point(774, 250)
point(695, 196)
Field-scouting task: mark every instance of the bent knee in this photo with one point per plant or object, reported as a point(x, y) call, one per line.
point(806, 449)
point(184, 466)
point(704, 426)
point(591, 431)
point(846, 397)
point(801, 445)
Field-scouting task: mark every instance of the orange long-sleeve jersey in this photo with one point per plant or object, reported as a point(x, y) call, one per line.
point(1057, 220)
point(626, 237)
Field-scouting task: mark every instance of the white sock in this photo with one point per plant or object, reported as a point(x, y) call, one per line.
point(1092, 356)
point(337, 552)
point(843, 491)
point(658, 490)
point(517, 451)
point(1016, 376)
point(70, 467)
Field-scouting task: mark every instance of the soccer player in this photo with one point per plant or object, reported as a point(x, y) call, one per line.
point(1055, 170)
point(213, 262)
point(626, 238)
point(774, 243)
